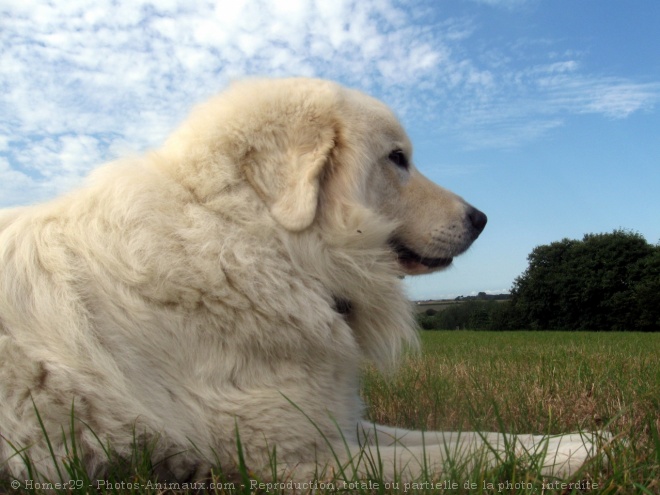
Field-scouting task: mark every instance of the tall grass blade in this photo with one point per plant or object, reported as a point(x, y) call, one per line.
point(48, 443)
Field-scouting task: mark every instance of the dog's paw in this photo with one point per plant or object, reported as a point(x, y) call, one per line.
point(564, 455)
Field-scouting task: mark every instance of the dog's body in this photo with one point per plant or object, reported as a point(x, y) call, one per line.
point(232, 281)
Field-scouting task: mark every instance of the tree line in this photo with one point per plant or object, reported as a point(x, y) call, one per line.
point(605, 281)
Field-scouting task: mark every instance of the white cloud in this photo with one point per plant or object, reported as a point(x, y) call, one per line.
point(520, 105)
point(83, 82)
point(619, 99)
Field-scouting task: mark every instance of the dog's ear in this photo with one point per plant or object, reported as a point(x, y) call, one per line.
point(287, 171)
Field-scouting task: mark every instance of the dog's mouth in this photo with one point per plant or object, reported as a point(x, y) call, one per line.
point(415, 264)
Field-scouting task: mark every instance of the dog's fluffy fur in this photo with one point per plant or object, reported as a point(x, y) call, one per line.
point(232, 281)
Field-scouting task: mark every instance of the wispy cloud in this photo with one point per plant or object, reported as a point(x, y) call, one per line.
point(81, 82)
point(84, 83)
point(524, 104)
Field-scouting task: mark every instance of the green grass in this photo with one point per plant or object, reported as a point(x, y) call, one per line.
point(535, 382)
point(524, 382)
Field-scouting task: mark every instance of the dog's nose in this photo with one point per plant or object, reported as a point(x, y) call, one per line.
point(478, 219)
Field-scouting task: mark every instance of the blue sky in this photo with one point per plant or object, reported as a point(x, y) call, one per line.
point(544, 114)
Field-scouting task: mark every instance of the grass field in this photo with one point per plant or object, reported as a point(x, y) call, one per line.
point(524, 382)
point(536, 382)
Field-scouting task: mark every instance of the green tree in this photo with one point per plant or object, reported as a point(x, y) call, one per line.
point(647, 292)
point(472, 315)
point(603, 282)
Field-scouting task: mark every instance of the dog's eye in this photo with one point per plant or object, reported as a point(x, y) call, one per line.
point(399, 159)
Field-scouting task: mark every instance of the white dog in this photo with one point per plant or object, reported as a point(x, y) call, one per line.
point(233, 282)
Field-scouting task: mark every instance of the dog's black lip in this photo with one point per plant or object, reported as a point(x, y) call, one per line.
point(405, 254)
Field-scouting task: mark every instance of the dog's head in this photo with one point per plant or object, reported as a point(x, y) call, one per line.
point(432, 224)
point(315, 151)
